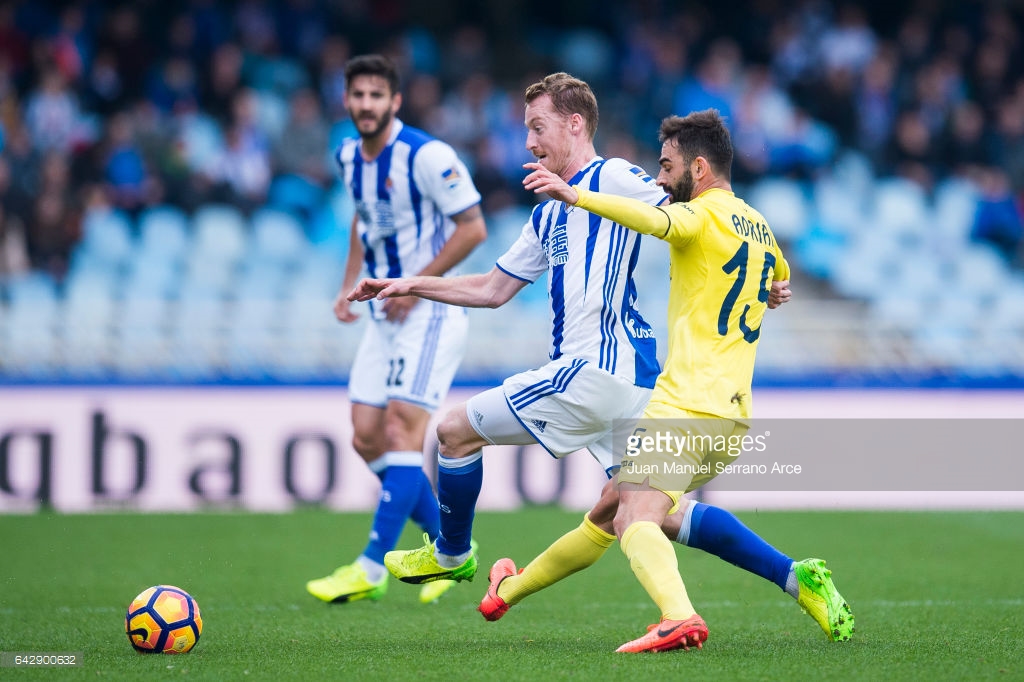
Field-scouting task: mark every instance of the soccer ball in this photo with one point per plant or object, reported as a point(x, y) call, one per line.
point(163, 619)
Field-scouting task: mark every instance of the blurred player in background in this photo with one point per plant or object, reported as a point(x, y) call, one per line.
point(417, 213)
point(723, 256)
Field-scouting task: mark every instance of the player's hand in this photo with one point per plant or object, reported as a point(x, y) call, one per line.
point(543, 181)
point(380, 288)
point(396, 309)
point(779, 294)
point(342, 310)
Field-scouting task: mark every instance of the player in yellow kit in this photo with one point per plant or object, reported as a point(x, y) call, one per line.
point(724, 258)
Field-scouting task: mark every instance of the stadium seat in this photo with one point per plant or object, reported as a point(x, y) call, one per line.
point(956, 202)
point(784, 205)
point(32, 324)
point(153, 276)
point(164, 230)
point(979, 270)
point(142, 347)
point(253, 337)
point(868, 265)
point(262, 278)
point(278, 236)
point(839, 208)
point(197, 325)
point(219, 233)
point(106, 238)
point(900, 206)
point(898, 311)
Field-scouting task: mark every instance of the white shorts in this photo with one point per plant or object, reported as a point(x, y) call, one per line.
point(566, 405)
point(413, 361)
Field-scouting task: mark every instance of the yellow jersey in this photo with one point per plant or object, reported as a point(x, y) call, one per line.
point(723, 261)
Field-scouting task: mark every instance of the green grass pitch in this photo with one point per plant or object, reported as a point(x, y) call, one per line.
point(934, 595)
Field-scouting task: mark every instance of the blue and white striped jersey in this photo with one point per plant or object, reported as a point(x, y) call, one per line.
point(404, 198)
point(590, 262)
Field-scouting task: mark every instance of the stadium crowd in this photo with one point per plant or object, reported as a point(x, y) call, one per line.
point(131, 105)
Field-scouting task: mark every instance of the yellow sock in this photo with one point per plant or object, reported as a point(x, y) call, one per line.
point(574, 551)
point(653, 560)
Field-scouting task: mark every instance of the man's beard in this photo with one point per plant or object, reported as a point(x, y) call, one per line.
point(385, 119)
point(682, 190)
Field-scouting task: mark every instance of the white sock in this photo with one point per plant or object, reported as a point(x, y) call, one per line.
point(374, 571)
point(449, 561)
point(792, 584)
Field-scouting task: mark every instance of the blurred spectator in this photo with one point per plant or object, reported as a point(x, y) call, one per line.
point(965, 147)
point(181, 38)
point(129, 184)
point(876, 103)
point(998, 218)
point(241, 171)
point(13, 247)
point(53, 228)
point(421, 103)
point(1009, 134)
point(763, 120)
point(851, 41)
point(301, 27)
point(15, 44)
point(173, 85)
point(71, 45)
point(913, 153)
point(103, 89)
point(302, 148)
point(470, 112)
point(837, 104)
point(331, 75)
point(122, 35)
point(52, 114)
point(713, 85)
point(22, 161)
point(256, 27)
point(223, 81)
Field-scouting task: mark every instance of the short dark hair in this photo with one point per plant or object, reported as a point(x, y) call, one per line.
point(372, 65)
point(569, 96)
point(701, 133)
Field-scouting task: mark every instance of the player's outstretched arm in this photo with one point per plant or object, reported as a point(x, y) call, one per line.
point(489, 290)
point(470, 230)
point(628, 212)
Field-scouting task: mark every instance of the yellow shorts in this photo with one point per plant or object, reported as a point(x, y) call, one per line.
point(677, 451)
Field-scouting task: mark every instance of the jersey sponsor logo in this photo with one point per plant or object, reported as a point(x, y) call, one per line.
point(451, 177)
point(541, 425)
point(557, 246)
point(638, 332)
point(378, 216)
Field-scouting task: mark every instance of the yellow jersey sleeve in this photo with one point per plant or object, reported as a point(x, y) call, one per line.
point(677, 223)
